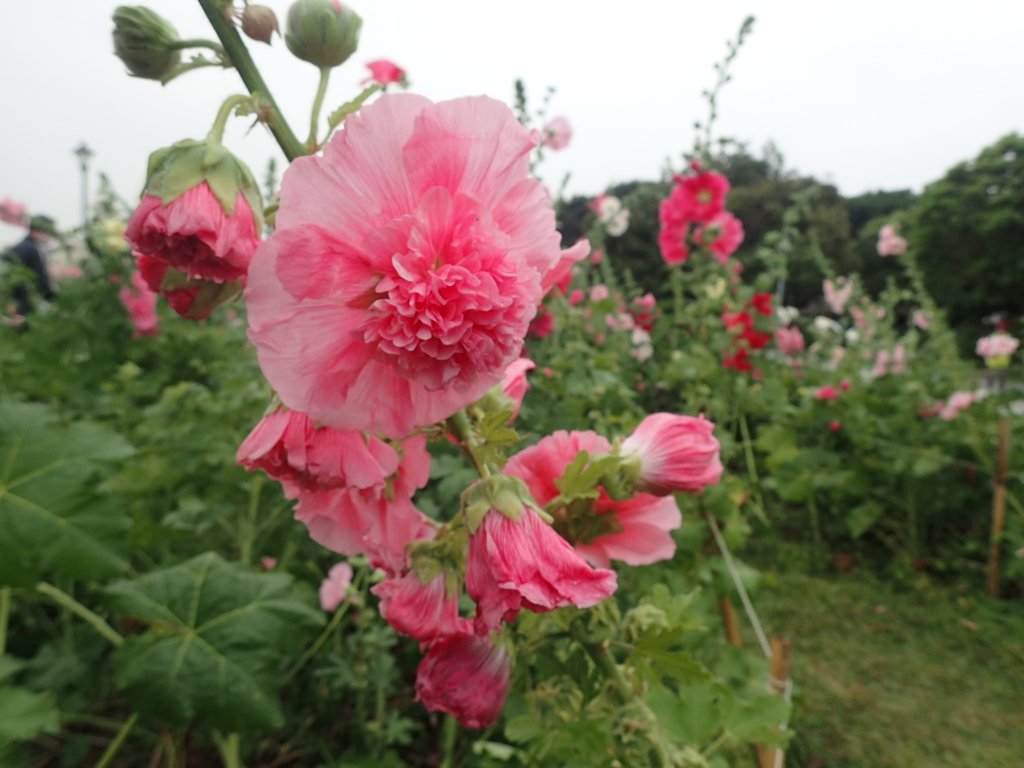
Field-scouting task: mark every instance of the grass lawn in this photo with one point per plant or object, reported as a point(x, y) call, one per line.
point(899, 679)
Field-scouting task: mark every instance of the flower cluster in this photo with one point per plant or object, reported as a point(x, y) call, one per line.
point(611, 214)
point(746, 336)
point(890, 243)
point(997, 349)
point(694, 216)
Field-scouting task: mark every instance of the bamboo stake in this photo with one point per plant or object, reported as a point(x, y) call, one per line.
point(729, 621)
point(998, 510)
point(778, 670)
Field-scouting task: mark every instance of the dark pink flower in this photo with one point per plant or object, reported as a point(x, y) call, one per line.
point(194, 235)
point(697, 199)
point(289, 447)
point(524, 563)
point(722, 235)
point(465, 676)
point(384, 72)
point(676, 453)
point(636, 530)
point(426, 612)
point(672, 241)
point(826, 392)
point(140, 302)
point(835, 425)
point(406, 266)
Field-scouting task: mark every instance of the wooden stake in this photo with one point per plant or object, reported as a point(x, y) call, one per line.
point(998, 510)
point(778, 669)
point(732, 626)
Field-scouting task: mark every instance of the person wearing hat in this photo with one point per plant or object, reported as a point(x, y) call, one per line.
point(31, 254)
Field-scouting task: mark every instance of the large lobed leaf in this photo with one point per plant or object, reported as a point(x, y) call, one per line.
point(216, 635)
point(52, 521)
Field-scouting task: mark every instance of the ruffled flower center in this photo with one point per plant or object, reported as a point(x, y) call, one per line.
point(448, 310)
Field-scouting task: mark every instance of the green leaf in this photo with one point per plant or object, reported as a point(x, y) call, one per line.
point(757, 720)
point(25, 714)
point(655, 652)
point(53, 521)
point(8, 666)
point(216, 636)
point(692, 717)
point(862, 518)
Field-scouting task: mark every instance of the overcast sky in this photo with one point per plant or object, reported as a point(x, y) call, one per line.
point(867, 94)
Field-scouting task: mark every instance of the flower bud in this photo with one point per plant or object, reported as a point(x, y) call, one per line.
point(142, 40)
point(260, 23)
point(322, 32)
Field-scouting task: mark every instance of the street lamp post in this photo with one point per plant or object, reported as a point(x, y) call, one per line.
point(84, 155)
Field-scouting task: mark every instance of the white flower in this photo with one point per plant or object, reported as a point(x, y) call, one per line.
point(825, 325)
point(786, 315)
point(610, 212)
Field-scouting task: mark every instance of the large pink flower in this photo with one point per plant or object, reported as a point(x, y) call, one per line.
point(524, 563)
point(194, 234)
point(722, 235)
point(635, 530)
point(696, 199)
point(676, 453)
point(465, 676)
point(406, 266)
point(288, 446)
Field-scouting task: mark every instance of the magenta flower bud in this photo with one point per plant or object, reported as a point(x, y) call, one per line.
point(465, 676)
point(675, 453)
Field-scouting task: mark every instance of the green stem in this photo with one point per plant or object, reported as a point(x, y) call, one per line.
point(112, 749)
point(213, 45)
point(230, 103)
point(318, 102)
point(819, 543)
point(459, 426)
point(239, 56)
point(228, 747)
point(337, 117)
point(5, 613)
point(449, 732)
point(250, 526)
point(66, 601)
point(676, 281)
point(181, 69)
point(748, 451)
point(329, 630)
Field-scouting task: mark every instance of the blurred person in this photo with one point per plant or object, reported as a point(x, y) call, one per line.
point(31, 253)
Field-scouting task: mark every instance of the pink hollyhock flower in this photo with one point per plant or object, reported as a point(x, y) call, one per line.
point(524, 563)
point(920, 319)
point(557, 133)
point(837, 294)
point(13, 212)
point(334, 588)
point(406, 266)
point(182, 300)
point(889, 243)
point(599, 292)
point(646, 302)
point(288, 446)
point(844, 385)
point(195, 235)
point(464, 676)
point(384, 72)
point(379, 521)
point(826, 393)
point(560, 275)
point(672, 241)
point(698, 199)
point(676, 453)
point(575, 297)
point(596, 256)
point(140, 302)
point(636, 530)
point(998, 344)
point(268, 563)
point(542, 324)
point(426, 612)
point(835, 425)
point(515, 386)
point(722, 235)
point(789, 340)
point(898, 359)
point(859, 318)
point(957, 402)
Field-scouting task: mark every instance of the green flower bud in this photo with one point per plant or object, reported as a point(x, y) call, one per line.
point(322, 32)
point(143, 40)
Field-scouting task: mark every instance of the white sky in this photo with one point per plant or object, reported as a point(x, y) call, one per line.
point(866, 94)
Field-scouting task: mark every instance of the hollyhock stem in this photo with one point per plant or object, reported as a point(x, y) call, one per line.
point(255, 485)
point(181, 69)
point(459, 426)
point(65, 600)
point(318, 102)
point(335, 622)
point(230, 104)
point(115, 746)
point(213, 45)
point(239, 56)
point(448, 737)
point(337, 117)
point(748, 452)
point(228, 747)
point(5, 612)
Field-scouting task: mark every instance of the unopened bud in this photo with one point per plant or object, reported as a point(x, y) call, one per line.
point(323, 32)
point(260, 23)
point(143, 40)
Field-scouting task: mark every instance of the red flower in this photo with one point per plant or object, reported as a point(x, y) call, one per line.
point(465, 676)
